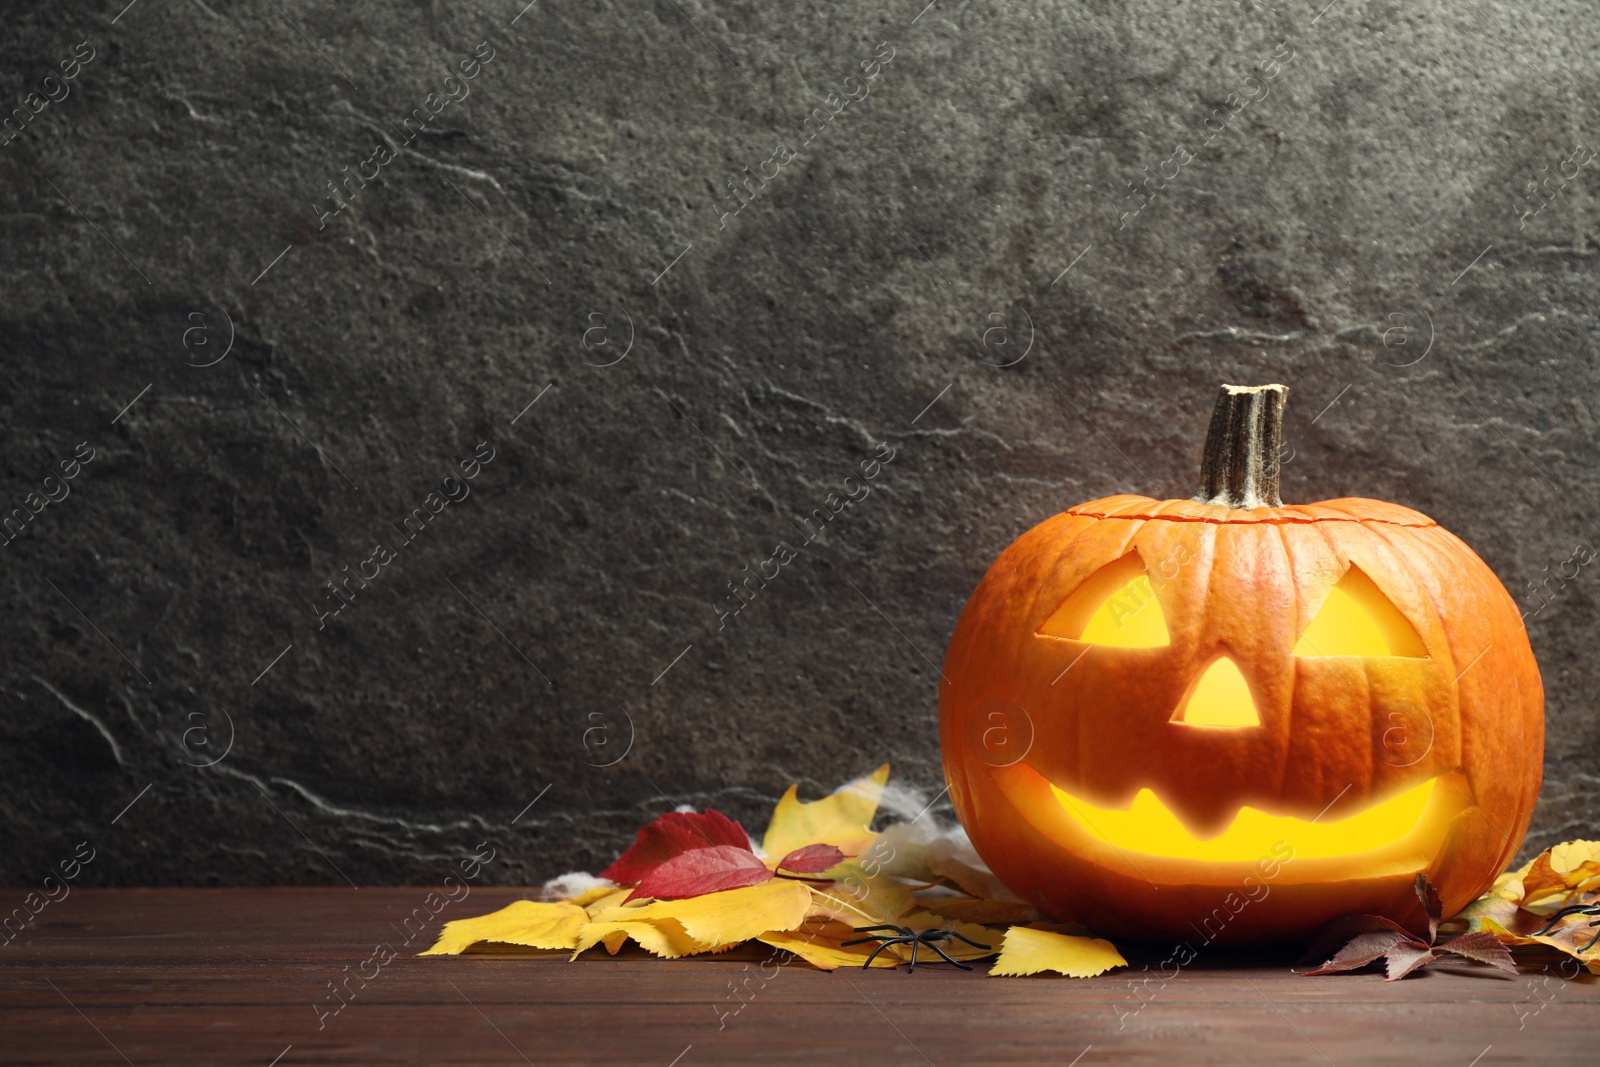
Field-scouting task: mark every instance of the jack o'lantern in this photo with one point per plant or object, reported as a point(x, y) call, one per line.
point(1230, 720)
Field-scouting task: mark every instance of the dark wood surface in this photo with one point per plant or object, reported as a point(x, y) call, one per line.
point(198, 976)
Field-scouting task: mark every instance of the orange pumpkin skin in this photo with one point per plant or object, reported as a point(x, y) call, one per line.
point(1020, 712)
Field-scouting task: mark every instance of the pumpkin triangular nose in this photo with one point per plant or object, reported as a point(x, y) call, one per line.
point(1221, 698)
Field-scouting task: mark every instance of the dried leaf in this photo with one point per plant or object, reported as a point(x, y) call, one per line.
point(1405, 957)
point(1572, 935)
point(841, 819)
point(1502, 911)
point(812, 859)
point(1429, 897)
point(1367, 937)
point(1341, 931)
point(718, 919)
point(522, 922)
point(700, 871)
point(1363, 949)
point(820, 942)
point(1524, 906)
point(1556, 876)
point(674, 833)
point(1030, 951)
point(1483, 946)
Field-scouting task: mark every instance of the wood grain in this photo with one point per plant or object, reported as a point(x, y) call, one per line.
point(237, 976)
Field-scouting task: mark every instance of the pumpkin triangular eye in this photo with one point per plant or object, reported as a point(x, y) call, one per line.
point(1358, 620)
point(1115, 607)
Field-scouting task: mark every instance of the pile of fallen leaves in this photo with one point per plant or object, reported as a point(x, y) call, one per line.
point(1367, 938)
point(694, 882)
point(1553, 900)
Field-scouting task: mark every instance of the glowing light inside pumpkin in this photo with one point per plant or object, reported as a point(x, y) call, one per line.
point(1128, 618)
point(1358, 620)
point(1221, 698)
point(1148, 826)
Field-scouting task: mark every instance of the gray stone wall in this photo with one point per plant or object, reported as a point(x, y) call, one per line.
point(609, 318)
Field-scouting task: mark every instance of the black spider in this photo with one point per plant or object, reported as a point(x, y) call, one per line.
point(1575, 909)
point(904, 935)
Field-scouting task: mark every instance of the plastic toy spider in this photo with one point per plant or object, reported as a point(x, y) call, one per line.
point(904, 935)
point(1575, 909)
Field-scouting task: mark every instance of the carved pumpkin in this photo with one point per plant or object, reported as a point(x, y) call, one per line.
point(1229, 720)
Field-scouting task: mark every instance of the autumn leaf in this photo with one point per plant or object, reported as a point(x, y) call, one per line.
point(1404, 957)
point(860, 899)
point(596, 902)
point(1482, 946)
point(1555, 877)
point(1571, 934)
point(598, 893)
point(700, 871)
point(1029, 951)
point(535, 924)
point(674, 833)
point(841, 819)
point(1429, 897)
point(717, 919)
point(1369, 938)
point(1551, 900)
point(820, 942)
point(662, 937)
point(1364, 948)
point(812, 859)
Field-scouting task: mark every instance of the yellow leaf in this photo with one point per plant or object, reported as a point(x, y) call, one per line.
point(1561, 871)
point(1523, 902)
point(1509, 938)
point(922, 920)
point(522, 922)
point(664, 937)
point(820, 943)
point(841, 819)
point(733, 915)
point(1027, 951)
point(597, 903)
point(599, 892)
point(859, 899)
point(1570, 855)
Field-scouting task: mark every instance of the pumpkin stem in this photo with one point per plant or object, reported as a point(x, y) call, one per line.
point(1240, 465)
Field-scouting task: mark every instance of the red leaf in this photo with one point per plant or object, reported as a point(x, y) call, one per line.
point(1482, 946)
point(1407, 956)
point(700, 871)
point(813, 859)
point(674, 833)
point(1341, 932)
point(1429, 897)
point(1363, 949)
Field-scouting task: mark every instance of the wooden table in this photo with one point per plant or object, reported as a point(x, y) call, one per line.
point(242, 976)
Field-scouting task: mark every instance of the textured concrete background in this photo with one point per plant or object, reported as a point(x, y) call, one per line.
point(1018, 258)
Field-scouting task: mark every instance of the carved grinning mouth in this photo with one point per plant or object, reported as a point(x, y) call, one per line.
point(1148, 827)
